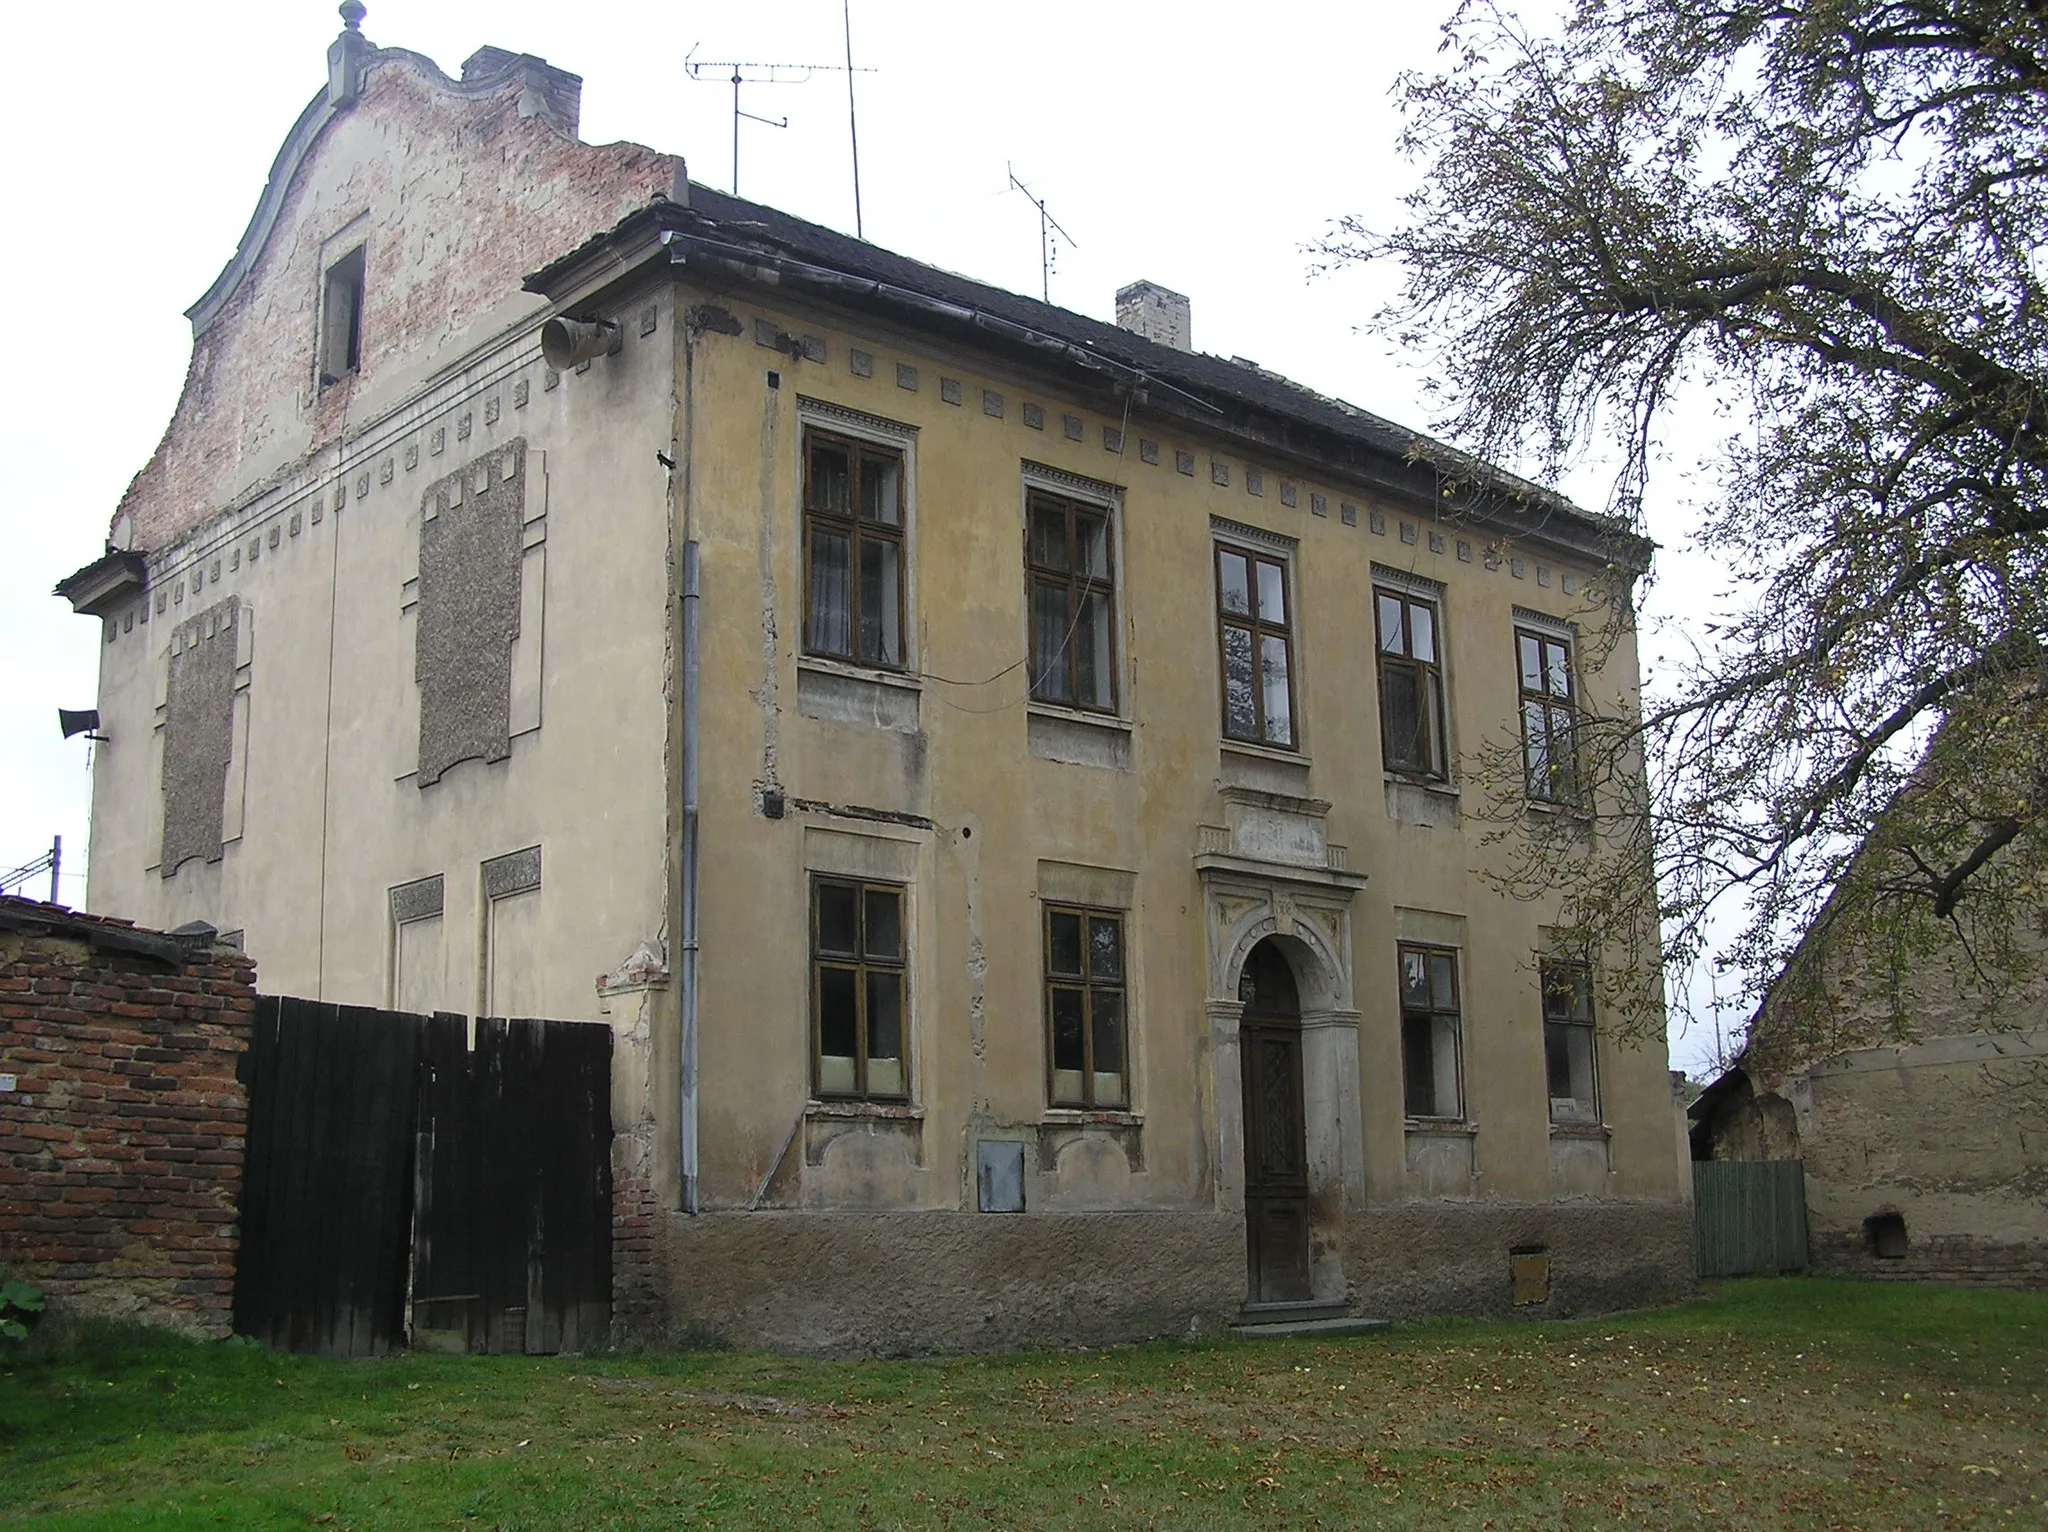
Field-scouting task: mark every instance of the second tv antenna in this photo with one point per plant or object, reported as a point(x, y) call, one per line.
point(756, 72)
point(1048, 244)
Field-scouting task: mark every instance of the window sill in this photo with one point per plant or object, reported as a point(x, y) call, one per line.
point(1084, 1117)
point(1288, 753)
point(1435, 786)
point(1553, 810)
point(1450, 1126)
point(880, 675)
point(1587, 1130)
point(871, 1111)
point(1079, 715)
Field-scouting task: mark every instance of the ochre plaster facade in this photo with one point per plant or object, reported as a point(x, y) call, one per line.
point(823, 1223)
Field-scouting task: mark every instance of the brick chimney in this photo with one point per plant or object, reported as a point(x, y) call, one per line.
point(1157, 313)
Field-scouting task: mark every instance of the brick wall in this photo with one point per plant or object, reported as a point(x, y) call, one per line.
point(121, 1143)
point(1955, 1259)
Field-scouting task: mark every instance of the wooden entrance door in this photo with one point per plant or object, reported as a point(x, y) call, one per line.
point(1275, 1139)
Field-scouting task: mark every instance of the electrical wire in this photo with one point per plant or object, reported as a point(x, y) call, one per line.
point(1073, 626)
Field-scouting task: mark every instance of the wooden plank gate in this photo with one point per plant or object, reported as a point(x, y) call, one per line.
point(1748, 1217)
point(398, 1183)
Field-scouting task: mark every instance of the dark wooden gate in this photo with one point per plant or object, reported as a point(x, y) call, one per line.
point(1275, 1135)
point(513, 1188)
point(326, 1208)
point(392, 1172)
point(1748, 1217)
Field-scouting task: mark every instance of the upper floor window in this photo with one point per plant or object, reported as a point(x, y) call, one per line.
point(1432, 1086)
point(859, 988)
point(1257, 639)
point(854, 553)
point(1084, 1007)
point(1411, 684)
point(1073, 603)
point(1568, 1041)
point(341, 318)
point(1549, 748)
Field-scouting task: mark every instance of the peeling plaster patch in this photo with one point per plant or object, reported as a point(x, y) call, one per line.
point(468, 619)
point(860, 363)
point(362, 486)
point(1148, 452)
point(1184, 462)
point(950, 390)
point(1287, 493)
point(521, 392)
point(992, 403)
point(906, 376)
point(1112, 440)
point(1516, 568)
point(550, 381)
point(296, 524)
point(1407, 531)
point(199, 729)
point(650, 319)
point(386, 471)
point(1071, 424)
point(1254, 482)
point(1464, 551)
point(462, 426)
point(492, 410)
point(1034, 416)
point(412, 456)
point(1318, 505)
point(437, 443)
point(1219, 471)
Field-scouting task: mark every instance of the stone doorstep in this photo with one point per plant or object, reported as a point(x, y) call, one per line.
point(1288, 1311)
point(1285, 1329)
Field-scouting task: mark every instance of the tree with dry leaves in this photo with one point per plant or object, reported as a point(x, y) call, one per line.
point(1824, 221)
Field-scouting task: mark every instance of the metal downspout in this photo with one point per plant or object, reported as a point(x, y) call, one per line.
point(687, 921)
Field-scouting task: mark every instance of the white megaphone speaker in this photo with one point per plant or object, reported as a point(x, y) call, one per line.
point(565, 341)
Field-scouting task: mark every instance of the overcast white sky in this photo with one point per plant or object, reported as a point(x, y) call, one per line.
point(1199, 145)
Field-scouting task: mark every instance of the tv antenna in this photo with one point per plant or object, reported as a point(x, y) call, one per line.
point(1048, 244)
point(757, 72)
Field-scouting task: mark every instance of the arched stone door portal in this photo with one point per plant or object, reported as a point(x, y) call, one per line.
point(1259, 913)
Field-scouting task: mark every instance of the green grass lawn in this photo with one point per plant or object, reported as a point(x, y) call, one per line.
point(1790, 1403)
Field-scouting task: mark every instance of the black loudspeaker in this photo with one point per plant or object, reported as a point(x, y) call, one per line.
point(78, 721)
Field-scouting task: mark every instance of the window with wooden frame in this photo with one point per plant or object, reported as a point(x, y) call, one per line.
point(854, 554)
point(1430, 1044)
point(1411, 675)
point(1568, 1037)
point(860, 989)
point(1073, 602)
point(1256, 637)
point(1549, 734)
point(1085, 1011)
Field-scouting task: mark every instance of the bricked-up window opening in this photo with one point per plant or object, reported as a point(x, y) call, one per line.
point(1884, 1235)
point(1257, 645)
point(1073, 603)
point(859, 988)
point(1411, 684)
point(853, 550)
point(1429, 1032)
point(341, 319)
point(1568, 1041)
point(1085, 1010)
point(1549, 749)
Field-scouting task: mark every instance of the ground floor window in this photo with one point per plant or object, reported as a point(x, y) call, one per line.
point(1568, 1041)
point(1429, 1032)
point(859, 988)
point(1085, 1013)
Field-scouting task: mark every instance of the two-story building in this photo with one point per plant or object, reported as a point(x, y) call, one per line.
point(1011, 772)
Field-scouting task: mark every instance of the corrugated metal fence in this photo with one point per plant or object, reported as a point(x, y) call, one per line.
point(1748, 1217)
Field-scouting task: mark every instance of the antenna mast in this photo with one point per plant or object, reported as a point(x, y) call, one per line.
point(757, 72)
point(1048, 226)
